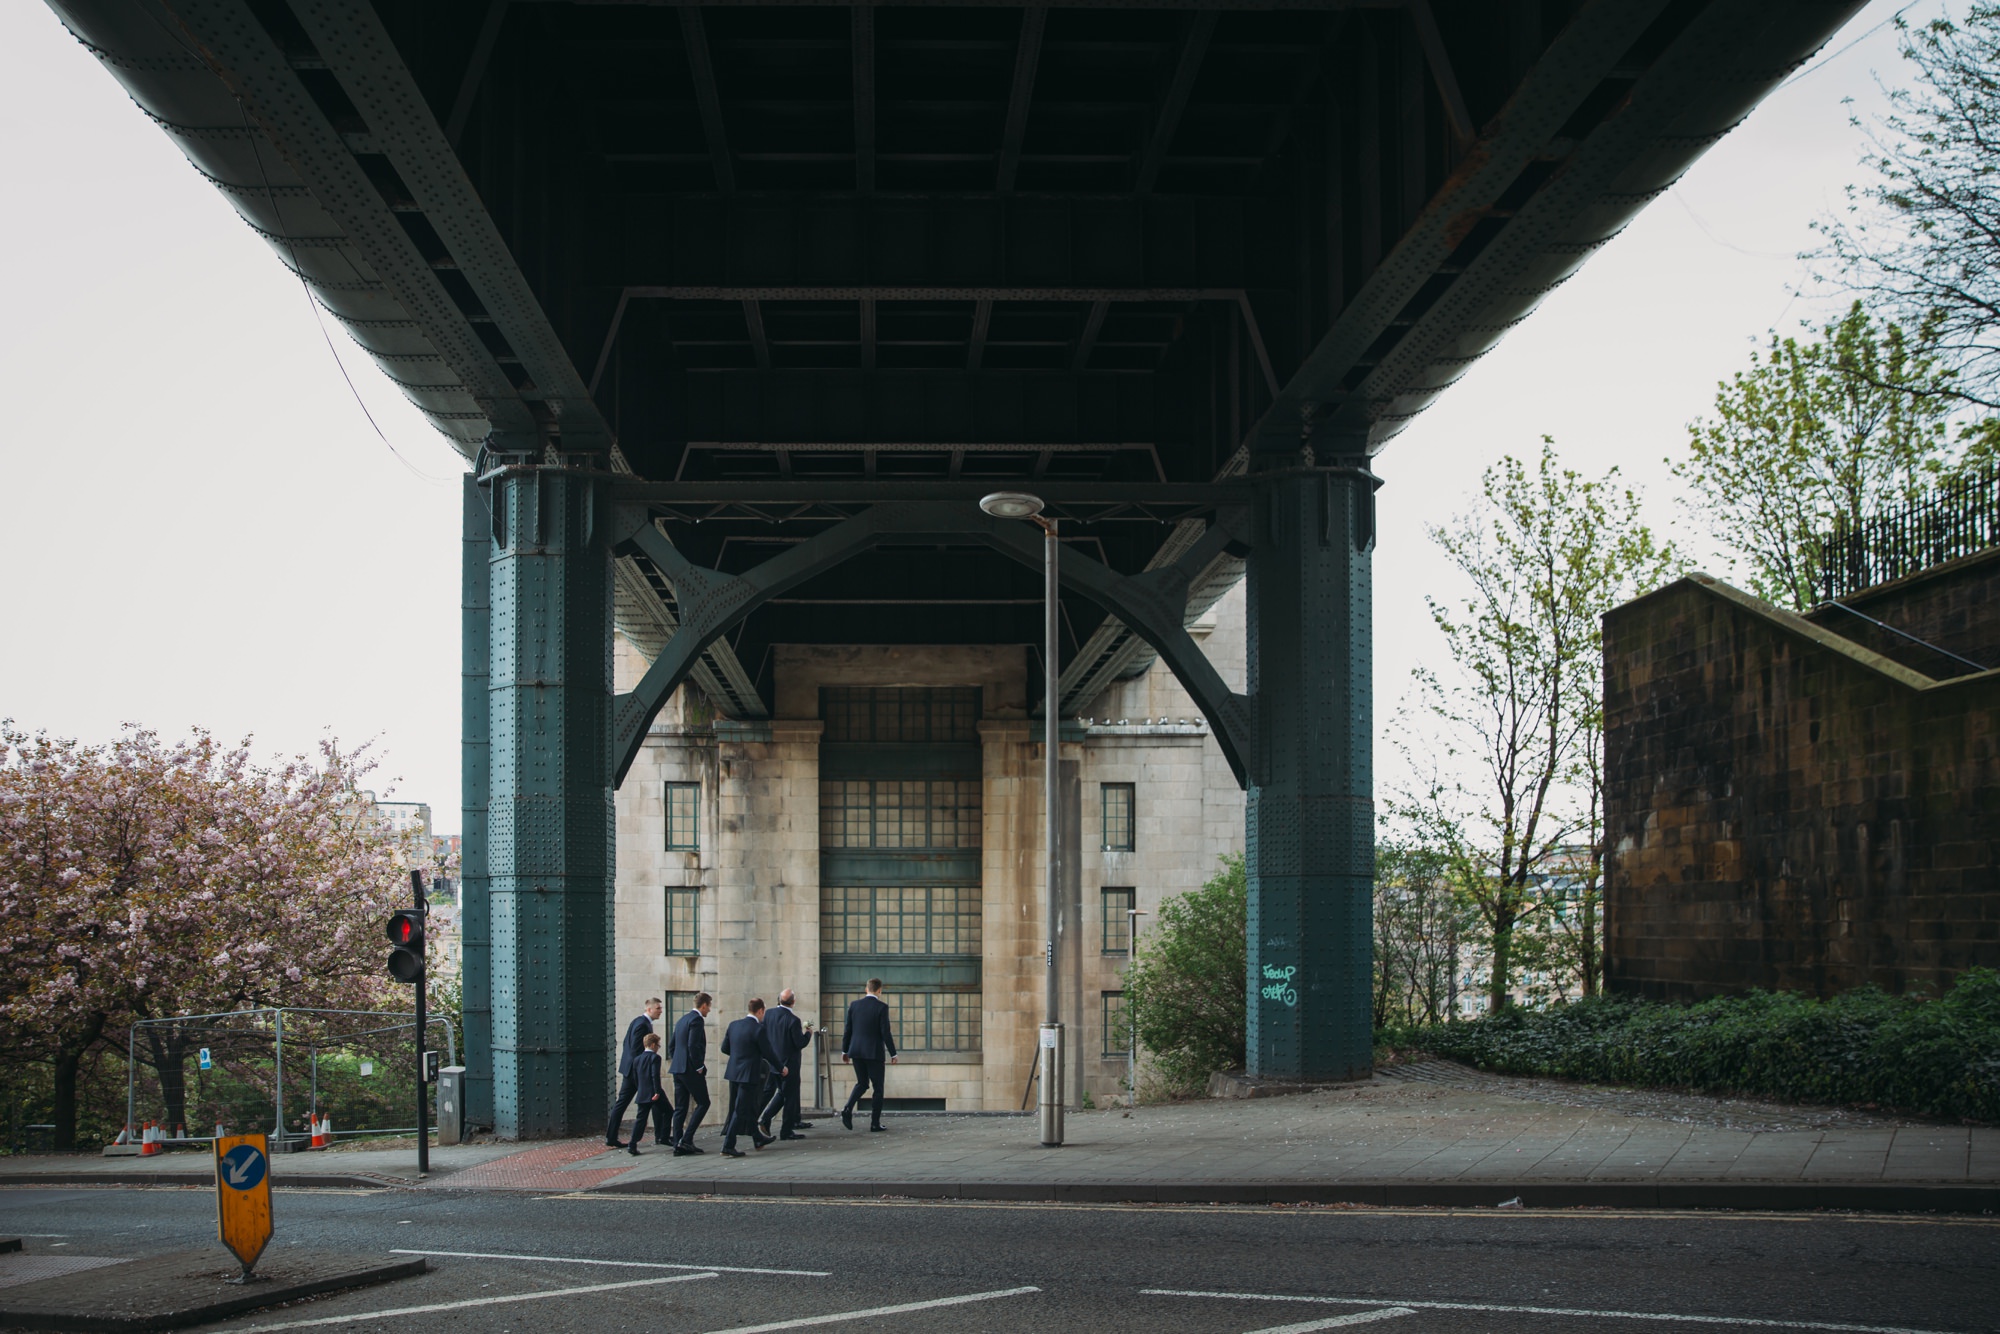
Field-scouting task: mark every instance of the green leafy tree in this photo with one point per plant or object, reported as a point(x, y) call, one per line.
point(1922, 237)
point(1820, 432)
point(1547, 553)
point(1421, 927)
point(1185, 989)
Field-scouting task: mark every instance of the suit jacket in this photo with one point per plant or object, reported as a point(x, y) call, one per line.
point(785, 1036)
point(743, 1044)
point(646, 1074)
point(867, 1033)
point(689, 1045)
point(635, 1042)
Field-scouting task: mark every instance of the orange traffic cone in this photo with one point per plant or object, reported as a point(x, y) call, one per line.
point(124, 1136)
point(318, 1133)
point(147, 1145)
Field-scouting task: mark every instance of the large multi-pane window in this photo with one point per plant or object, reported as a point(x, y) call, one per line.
point(678, 1003)
point(899, 813)
point(683, 921)
point(918, 1020)
point(1114, 911)
point(684, 816)
point(936, 715)
point(1119, 823)
point(1117, 1023)
point(899, 919)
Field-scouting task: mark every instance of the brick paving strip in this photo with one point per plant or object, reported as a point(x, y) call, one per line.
point(171, 1291)
point(1426, 1133)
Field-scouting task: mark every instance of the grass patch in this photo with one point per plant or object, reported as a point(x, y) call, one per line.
point(1928, 1056)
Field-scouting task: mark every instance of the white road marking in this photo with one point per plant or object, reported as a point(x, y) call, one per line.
point(1336, 1321)
point(838, 1316)
point(476, 1301)
point(620, 1264)
point(1670, 1318)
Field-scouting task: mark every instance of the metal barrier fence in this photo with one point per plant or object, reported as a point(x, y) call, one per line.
point(248, 1066)
point(1956, 518)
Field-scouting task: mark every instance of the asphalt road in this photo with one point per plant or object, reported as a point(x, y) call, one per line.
point(1104, 1269)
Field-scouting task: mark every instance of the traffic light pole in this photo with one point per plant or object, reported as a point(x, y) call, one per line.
point(423, 1091)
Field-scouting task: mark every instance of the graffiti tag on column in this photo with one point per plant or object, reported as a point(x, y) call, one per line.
point(1278, 984)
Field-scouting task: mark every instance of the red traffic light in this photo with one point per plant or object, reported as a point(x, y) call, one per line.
point(406, 932)
point(406, 929)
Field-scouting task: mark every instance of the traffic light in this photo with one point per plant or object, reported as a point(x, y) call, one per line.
point(406, 933)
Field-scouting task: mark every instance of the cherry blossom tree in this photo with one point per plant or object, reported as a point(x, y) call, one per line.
point(142, 879)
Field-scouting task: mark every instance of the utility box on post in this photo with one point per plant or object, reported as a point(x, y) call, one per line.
point(451, 1105)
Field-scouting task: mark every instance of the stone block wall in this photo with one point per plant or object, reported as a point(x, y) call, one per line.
point(1951, 606)
point(1787, 809)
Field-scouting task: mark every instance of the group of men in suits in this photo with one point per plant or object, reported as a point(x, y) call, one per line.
point(765, 1051)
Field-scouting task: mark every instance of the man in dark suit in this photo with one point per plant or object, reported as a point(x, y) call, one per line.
point(743, 1044)
point(652, 1098)
point(628, 1056)
point(687, 1062)
point(864, 1043)
point(787, 1039)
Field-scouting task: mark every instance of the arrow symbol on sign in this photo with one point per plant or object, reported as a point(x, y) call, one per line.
point(239, 1170)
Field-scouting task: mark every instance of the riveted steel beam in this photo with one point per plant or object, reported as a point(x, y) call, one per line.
point(1153, 603)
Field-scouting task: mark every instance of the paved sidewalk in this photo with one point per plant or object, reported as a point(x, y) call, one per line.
point(1434, 1133)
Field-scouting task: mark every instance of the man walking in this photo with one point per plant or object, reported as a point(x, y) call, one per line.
point(688, 1064)
point(743, 1044)
point(628, 1057)
point(787, 1038)
point(652, 1098)
point(864, 1042)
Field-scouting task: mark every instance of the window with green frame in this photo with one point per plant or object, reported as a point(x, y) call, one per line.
point(683, 921)
point(1114, 908)
point(900, 919)
point(1117, 1024)
point(913, 813)
point(684, 816)
point(1119, 800)
point(935, 714)
point(678, 1003)
point(919, 1020)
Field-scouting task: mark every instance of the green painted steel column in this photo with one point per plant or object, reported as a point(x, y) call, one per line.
point(475, 971)
point(1310, 814)
point(549, 809)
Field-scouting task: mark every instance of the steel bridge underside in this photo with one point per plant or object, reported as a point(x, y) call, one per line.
point(737, 308)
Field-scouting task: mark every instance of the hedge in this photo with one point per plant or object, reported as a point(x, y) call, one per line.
point(1932, 1057)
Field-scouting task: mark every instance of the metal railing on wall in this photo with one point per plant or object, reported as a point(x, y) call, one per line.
point(241, 1067)
point(1960, 517)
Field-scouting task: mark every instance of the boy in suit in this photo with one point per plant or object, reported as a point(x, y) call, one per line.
point(688, 1063)
point(652, 1098)
point(628, 1055)
point(743, 1044)
point(864, 1043)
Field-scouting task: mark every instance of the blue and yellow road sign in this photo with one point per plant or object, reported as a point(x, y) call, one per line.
point(243, 1196)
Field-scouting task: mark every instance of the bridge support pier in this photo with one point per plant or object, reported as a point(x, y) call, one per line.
point(1310, 814)
point(549, 827)
point(474, 929)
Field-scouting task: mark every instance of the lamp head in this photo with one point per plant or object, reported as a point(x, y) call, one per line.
point(1011, 505)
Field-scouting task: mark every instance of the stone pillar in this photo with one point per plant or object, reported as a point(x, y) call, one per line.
point(474, 918)
point(1310, 813)
point(549, 814)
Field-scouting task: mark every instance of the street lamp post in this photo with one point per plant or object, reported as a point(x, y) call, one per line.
point(1018, 505)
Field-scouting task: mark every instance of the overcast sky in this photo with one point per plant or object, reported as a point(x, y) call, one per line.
point(201, 528)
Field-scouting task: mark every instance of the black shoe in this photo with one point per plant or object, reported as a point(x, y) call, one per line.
point(761, 1140)
point(614, 1144)
point(734, 1153)
point(847, 1117)
point(789, 1135)
point(689, 1148)
point(765, 1127)
point(632, 1153)
point(878, 1127)
point(682, 1151)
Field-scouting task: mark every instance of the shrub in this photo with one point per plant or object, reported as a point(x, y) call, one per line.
point(1185, 989)
point(1934, 1057)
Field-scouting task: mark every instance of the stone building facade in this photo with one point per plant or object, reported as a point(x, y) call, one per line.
point(886, 822)
point(1803, 804)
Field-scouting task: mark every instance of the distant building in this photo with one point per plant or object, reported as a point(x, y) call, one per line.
point(888, 823)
